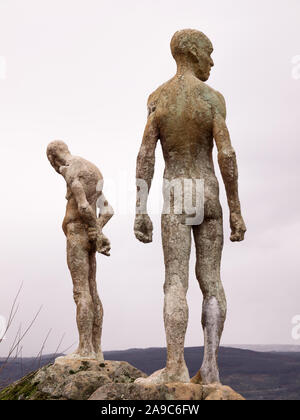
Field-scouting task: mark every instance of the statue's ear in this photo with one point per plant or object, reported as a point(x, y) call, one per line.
point(193, 53)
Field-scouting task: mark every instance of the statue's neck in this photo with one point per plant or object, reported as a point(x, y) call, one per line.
point(185, 69)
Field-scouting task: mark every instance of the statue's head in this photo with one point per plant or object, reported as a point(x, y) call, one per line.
point(58, 154)
point(191, 48)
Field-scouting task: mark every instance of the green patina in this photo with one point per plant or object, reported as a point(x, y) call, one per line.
point(25, 389)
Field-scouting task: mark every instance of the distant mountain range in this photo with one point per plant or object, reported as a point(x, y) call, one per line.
point(267, 374)
point(269, 348)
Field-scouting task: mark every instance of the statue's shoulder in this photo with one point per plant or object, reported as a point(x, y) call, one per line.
point(153, 99)
point(217, 100)
point(85, 168)
point(82, 170)
point(75, 169)
point(221, 104)
point(221, 99)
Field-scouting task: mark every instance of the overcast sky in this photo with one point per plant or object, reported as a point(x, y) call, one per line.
point(81, 71)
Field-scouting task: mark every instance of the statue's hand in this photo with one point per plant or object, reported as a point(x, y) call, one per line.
point(238, 227)
point(101, 241)
point(143, 228)
point(103, 245)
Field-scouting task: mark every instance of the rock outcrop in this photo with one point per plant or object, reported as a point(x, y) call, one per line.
point(176, 391)
point(71, 379)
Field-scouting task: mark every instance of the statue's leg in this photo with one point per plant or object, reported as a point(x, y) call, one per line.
point(98, 308)
point(209, 245)
point(177, 246)
point(78, 263)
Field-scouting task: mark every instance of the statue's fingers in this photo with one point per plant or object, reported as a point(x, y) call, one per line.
point(242, 235)
point(234, 237)
point(148, 239)
point(139, 236)
point(237, 236)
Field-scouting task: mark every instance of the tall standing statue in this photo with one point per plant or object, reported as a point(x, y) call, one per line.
point(185, 114)
point(83, 230)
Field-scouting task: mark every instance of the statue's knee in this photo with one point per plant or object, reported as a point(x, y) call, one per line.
point(98, 312)
point(83, 298)
point(98, 321)
point(176, 285)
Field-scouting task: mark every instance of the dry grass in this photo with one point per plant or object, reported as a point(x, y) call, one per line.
point(16, 348)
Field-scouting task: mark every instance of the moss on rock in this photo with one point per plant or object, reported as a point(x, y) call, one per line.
point(25, 389)
point(70, 379)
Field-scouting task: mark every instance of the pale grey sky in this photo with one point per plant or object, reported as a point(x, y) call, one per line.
point(81, 71)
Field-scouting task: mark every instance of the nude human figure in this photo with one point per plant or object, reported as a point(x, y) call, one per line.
point(83, 230)
point(187, 115)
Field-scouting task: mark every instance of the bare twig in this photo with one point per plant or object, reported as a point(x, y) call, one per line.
point(13, 311)
point(58, 347)
point(42, 348)
point(15, 344)
point(66, 350)
point(21, 357)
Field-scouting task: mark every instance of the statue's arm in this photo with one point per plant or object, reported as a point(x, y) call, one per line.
point(229, 170)
point(146, 156)
point(86, 212)
point(144, 174)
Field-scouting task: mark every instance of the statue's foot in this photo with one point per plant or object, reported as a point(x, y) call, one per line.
point(166, 376)
point(81, 355)
point(206, 376)
point(99, 356)
point(197, 379)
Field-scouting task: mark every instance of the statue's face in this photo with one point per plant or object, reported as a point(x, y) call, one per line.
point(56, 161)
point(202, 61)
